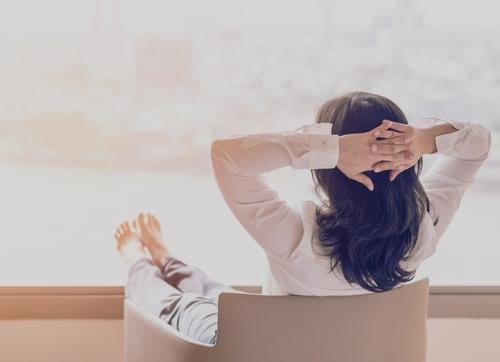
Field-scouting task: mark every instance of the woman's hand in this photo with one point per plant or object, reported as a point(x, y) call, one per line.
point(357, 154)
point(411, 141)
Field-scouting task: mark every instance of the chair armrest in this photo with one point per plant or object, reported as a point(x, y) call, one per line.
point(148, 338)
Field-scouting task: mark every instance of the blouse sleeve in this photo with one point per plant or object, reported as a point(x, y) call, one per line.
point(239, 164)
point(460, 155)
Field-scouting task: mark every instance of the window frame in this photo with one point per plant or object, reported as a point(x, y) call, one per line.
point(106, 302)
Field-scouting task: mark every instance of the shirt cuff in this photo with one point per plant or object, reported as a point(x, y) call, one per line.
point(322, 145)
point(324, 151)
point(470, 142)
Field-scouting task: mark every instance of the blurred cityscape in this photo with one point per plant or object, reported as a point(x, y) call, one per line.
point(154, 100)
point(108, 107)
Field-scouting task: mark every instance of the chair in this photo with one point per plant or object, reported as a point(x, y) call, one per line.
point(377, 327)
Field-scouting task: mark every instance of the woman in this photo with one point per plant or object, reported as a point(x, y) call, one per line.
point(376, 223)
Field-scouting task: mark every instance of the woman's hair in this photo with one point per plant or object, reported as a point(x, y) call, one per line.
point(368, 233)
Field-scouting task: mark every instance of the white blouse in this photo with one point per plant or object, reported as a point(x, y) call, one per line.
point(285, 231)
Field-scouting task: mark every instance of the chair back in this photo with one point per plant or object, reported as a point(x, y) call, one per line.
point(377, 327)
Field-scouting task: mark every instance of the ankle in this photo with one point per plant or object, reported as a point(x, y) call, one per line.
point(160, 256)
point(131, 252)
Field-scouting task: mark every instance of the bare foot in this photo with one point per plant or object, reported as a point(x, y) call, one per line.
point(129, 245)
point(149, 232)
point(125, 234)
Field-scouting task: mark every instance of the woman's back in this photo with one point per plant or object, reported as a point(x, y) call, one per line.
point(308, 272)
point(319, 249)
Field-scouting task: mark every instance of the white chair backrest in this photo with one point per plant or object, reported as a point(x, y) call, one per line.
point(377, 327)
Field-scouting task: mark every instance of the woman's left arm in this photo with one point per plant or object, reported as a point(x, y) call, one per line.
point(239, 163)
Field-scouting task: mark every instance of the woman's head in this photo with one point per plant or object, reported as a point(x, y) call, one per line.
point(368, 233)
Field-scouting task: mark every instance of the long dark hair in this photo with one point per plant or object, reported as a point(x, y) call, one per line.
point(368, 233)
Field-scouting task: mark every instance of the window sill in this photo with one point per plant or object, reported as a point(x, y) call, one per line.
point(107, 302)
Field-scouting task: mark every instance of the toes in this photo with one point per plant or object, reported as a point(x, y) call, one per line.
point(124, 228)
point(147, 219)
point(135, 226)
point(141, 220)
point(155, 221)
point(119, 234)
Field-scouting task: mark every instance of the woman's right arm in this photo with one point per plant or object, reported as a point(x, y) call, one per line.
point(462, 148)
point(461, 153)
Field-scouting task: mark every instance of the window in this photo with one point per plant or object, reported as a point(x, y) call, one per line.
point(108, 107)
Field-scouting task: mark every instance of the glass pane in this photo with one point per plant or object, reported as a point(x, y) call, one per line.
point(108, 107)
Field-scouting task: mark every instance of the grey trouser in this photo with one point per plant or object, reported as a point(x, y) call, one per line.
point(181, 295)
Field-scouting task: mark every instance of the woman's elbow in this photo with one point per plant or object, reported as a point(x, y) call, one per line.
point(480, 142)
point(219, 154)
point(488, 141)
point(216, 150)
point(223, 154)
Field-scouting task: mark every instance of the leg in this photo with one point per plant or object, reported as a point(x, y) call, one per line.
point(194, 316)
point(146, 287)
point(191, 314)
point(187, 278)
point(184, 277)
